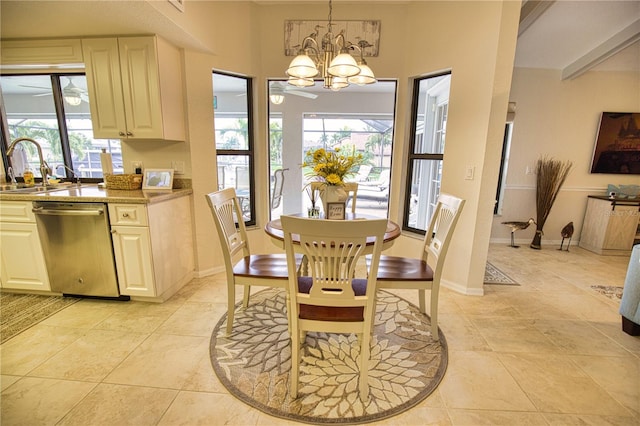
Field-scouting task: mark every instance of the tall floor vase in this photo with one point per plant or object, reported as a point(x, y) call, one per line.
point(550, 175)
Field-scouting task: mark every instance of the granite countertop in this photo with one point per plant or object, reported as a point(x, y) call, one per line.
point(92, 193)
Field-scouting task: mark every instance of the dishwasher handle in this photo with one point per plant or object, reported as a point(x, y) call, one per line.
point(67, 212)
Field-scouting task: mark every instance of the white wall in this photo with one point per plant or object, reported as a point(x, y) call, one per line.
point(560, 119)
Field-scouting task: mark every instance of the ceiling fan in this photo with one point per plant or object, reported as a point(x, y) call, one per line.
point(277, 91)
point(71, 93)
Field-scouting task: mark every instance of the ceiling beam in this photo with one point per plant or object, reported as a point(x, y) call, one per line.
point(530, 11)
point(615, 44)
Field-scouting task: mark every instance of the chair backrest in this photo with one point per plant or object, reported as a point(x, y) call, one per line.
point(363, 173)
point(440, 231)
point(278, 184)
point(334, 250)
point(351, 188)
point(227, 216)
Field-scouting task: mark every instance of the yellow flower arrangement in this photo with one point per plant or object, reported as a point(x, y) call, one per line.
point(331, 167)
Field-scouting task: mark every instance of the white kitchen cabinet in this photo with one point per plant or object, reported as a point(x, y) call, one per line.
point(22, 259)
point(41, 53)
point(610, 226)
point(153, 247)
point(135, 88)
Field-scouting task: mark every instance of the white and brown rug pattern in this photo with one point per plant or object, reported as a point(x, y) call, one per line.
point(254, 362)
point(493, 275)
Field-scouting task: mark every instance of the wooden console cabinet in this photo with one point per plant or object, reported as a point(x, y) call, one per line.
point(611, 226)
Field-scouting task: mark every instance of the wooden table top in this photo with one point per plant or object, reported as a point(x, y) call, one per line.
point(273, 228)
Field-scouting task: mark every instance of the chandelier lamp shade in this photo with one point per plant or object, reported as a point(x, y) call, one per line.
point(331, 59)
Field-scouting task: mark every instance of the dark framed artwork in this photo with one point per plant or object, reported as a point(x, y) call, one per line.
point(617, 149)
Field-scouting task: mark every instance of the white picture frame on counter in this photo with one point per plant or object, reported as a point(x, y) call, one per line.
point(157, 179)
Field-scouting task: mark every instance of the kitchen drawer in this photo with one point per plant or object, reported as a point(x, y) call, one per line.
point(17, 211)
point(128, 214)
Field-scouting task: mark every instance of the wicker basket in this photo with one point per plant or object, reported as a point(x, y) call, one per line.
point(127, 181)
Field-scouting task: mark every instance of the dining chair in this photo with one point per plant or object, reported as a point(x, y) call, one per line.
point(351, 188)
point(278, 185)
point(425, 273)
point(242, 267)
point(339, 294)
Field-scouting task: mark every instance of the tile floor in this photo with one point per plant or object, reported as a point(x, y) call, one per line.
point(548, 352)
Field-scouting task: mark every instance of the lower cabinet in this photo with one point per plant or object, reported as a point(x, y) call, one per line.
point(22, 264)
point(610, 227)
point(153, 247)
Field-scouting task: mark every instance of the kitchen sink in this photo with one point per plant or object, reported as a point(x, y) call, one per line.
point(21, 189)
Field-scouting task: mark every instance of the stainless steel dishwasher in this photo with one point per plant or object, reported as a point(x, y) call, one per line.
point(76, 242)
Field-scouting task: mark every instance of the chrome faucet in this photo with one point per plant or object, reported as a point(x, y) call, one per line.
point(44, 167)
point(71, 170)
point(11, 175)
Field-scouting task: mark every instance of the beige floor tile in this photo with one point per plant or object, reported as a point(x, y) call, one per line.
point(579, 338)
point(136, 319)
point(589, 420)
point(267, 420)
point(495, 418)
point(6, 381)
point(193, 319)
point(91, 357)
point(614, 331)
point(120, 405)
point(417, 416)
point(461, 334)
point(555, 384)
point(620, 377)
point(84, 314)
point(513, 335)
point(31, 348)
point(161, 361)
point(478, 380)
point(36, 401)
point(533, 304)
point(196, 408)
point(204, 378)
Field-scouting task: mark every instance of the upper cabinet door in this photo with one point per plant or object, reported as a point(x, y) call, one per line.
point(135, 88)
point(104, 83)
point(141, 87)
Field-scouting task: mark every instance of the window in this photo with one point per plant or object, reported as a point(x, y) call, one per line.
point(426, 153)
point(359, 118)
point(53, 109)
point(232, 106)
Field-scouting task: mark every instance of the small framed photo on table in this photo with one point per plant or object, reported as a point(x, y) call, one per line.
point(335, 211)
point(157, 179)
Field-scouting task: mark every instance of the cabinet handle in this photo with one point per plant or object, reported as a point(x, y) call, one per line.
point(125, 214)
point(113, 231)
point(121, 134)
point(129, 134)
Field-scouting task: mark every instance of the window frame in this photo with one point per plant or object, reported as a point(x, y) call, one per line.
point(249, 152)
point(61, 120)
point(412, 156)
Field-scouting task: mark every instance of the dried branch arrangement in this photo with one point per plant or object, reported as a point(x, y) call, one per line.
point(550, 176)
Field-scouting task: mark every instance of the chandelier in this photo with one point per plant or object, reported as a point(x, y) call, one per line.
point(331, 59)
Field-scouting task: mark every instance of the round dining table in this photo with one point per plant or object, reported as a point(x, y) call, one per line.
point(273, 228)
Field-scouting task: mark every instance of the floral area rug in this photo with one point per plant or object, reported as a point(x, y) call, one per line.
point(611, 291)
point(254, 363)
point(18, 312)
point(493, 275)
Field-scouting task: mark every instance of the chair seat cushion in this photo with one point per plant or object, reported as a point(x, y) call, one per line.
point(264, 265)
point(332, 313)
point(396, 268)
